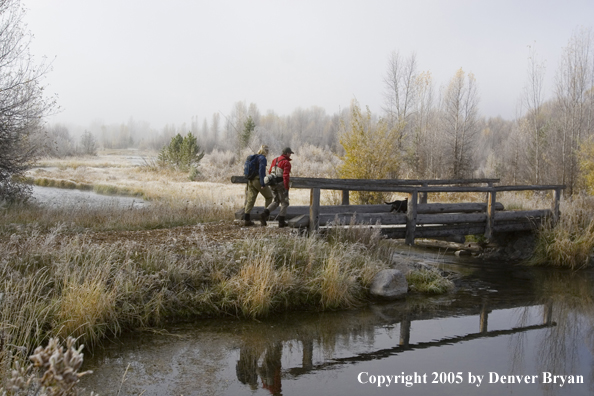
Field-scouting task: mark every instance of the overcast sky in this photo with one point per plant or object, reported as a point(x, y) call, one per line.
point(168, 61)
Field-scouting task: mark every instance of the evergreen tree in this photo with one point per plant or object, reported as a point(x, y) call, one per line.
point(182, 152)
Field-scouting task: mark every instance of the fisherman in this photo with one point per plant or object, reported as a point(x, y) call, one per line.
point(257, 185)
point(280, 170)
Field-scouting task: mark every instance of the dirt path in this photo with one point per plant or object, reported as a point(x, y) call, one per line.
point(187, 236)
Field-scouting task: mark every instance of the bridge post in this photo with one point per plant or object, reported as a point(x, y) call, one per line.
point(314, 209)
point(547, 313)
point(491, 199)
point(424, 194)
point(404, 331)
point(484, 318)
point(411, 217)
point(345, 197)
point(556, 199)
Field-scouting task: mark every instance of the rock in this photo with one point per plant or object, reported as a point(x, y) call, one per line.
point(459, 253)
point(389, 284)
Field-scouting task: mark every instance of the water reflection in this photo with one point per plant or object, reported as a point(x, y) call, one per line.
point(506, 321)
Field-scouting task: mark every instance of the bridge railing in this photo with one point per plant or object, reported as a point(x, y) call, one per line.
point(417, 191)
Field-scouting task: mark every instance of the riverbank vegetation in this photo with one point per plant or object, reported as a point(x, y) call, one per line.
point(570, 242)
point(56, 284)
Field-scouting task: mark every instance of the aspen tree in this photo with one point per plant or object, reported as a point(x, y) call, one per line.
point(371, 151)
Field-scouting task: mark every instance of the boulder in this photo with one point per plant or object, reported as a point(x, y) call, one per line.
point(389, 284)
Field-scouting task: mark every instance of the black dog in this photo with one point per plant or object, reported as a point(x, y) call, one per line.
point(399, 206)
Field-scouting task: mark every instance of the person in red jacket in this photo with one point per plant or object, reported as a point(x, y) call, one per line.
point(280, 167)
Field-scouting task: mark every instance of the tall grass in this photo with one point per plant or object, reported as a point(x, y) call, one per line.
point(570, 242)
point(18, 219)
point(90, 291)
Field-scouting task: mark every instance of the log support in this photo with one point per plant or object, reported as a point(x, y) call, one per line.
point(411, 218)
point(314, 210)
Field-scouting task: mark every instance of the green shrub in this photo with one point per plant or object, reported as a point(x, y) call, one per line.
point(182, 153)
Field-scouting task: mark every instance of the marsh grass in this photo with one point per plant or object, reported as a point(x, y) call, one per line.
point(428, 280)
point(570, 242)
point(60, 287)
point(28, 218)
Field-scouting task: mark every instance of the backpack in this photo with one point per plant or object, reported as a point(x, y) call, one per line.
point(250, 168)
point(276, 176)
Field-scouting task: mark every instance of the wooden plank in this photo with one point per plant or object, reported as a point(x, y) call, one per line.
point(323, 183)
point(360, 210)
point(411, 218)
point(464, 207)
point(522, 215)
point(455, 229)
point(388, 184)
point(299, 221)
point(345, 197)
point(314, 210)
point(529, 187)
point(401, 218)
point(491, 197)
point(309, 182)
point(435, 231)
point(362, 218)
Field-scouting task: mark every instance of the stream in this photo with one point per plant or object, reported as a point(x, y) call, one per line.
point(71, 198)
point(505, 330)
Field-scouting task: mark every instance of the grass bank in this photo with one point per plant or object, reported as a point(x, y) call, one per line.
point(63, 286)
point(55, 282)
point(570, 242)
point(28, 219)
point(104, 189)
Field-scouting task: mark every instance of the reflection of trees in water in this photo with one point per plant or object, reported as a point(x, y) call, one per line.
point(568, 300)
point(518, 340)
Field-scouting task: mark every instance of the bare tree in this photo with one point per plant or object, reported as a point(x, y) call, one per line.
point(425, 150)
point(88, 143)
point(460, 123)
point(534, 123)
point(22, 104)
point(400, 83)
point(574, 90)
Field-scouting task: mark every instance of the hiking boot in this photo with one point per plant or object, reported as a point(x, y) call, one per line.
point(281, 222)
point(264, 217)
point(247, 222)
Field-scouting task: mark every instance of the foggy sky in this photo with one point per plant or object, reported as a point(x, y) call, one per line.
point(168, 61)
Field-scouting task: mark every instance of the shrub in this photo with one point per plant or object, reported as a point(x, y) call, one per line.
point(181, 153)
point(371, 152)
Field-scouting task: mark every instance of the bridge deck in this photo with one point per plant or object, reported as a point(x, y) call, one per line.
point(421, 219)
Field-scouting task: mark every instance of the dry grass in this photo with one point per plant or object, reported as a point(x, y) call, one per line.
point(26, 219)
point(59, 285)
point(428, 281)
point(570, 243)
point(134, 173)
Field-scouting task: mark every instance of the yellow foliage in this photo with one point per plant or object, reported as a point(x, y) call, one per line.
point(586, 159)
point(371, 151)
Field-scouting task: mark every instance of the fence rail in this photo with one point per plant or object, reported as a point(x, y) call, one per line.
point(421, 219)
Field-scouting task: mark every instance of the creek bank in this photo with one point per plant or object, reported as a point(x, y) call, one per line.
point(511, 247)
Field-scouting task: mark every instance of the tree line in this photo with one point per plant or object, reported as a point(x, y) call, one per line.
point(424, 131)
point(431, 132)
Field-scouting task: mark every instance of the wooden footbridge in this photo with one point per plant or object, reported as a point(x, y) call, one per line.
point(421, 219)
